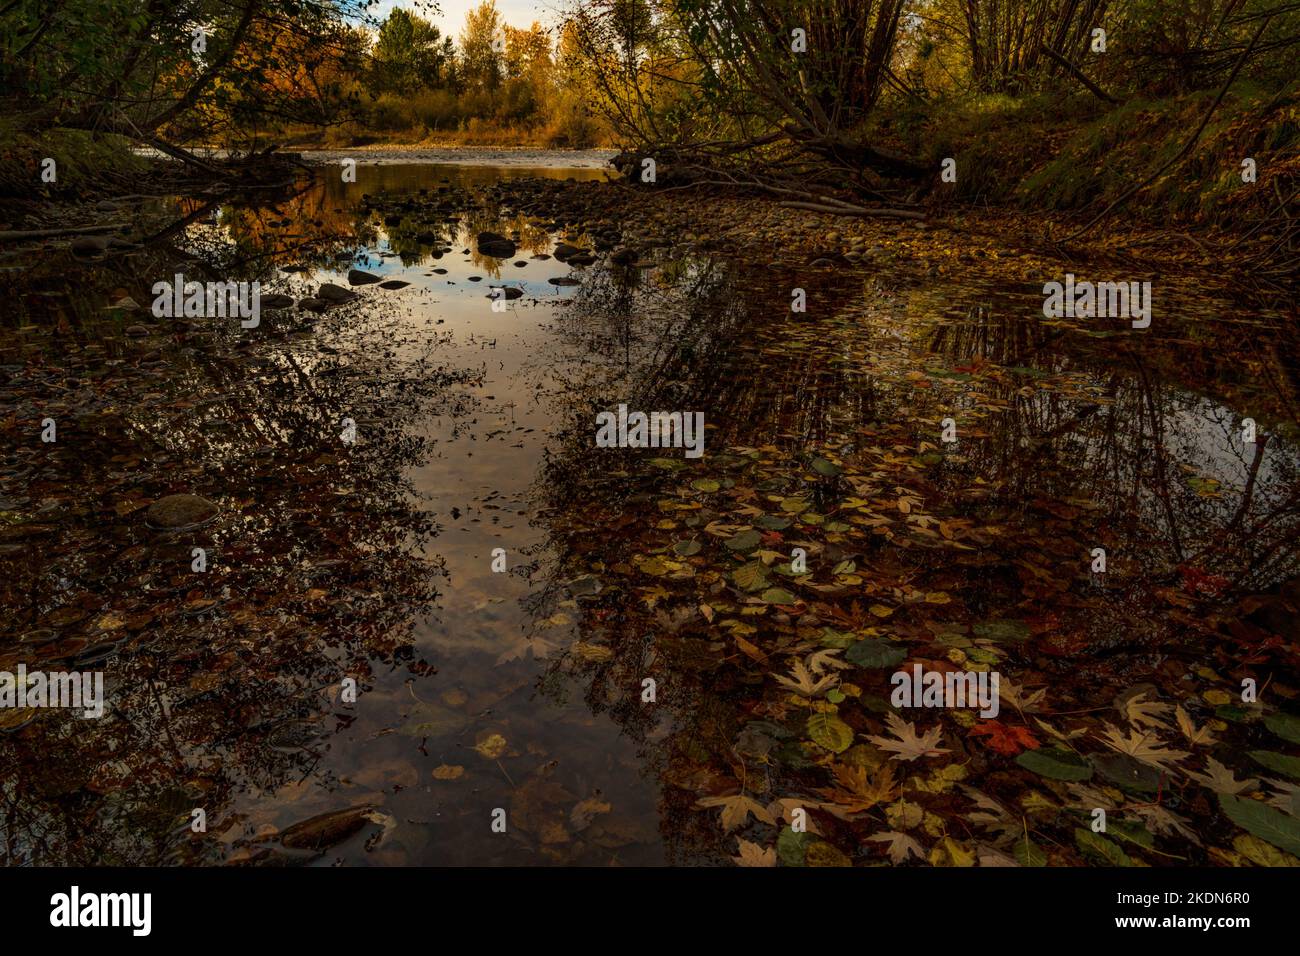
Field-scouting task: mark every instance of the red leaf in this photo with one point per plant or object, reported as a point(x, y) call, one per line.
point(1004, 739)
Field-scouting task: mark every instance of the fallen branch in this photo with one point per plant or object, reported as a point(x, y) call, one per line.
point(853, 210)
point(17, 235)
point(1077, 73)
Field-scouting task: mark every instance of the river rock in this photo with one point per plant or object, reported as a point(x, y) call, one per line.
point(394, 284)
point(180, 512)
point(564, 280)
point(277, 300)
point(506, 292)
point(357, 277)
point(495, 245)
point(564, 252)
point(314, 305)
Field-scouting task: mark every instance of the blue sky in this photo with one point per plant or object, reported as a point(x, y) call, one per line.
point(517, 13)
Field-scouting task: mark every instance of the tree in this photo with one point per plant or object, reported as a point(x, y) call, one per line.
point(482, 44)
point(410, 54)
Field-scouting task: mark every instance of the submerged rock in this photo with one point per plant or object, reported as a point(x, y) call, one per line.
point(335, 293)
point(180, 512)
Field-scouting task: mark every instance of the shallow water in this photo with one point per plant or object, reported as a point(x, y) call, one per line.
point(523, 690)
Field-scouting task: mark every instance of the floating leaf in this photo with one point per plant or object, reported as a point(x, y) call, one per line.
point(1098, 847)
point(1278, 763)
point(873, 652)
point(1003, 630)
point(750, 577)
point(745, 541)
point(1263, 821)
point(1286, 726)
point(1055, 763)
point(1029, 853)
point(827, 730)
point(792, 847)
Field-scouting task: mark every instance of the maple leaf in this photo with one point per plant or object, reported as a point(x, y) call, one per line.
point(1014, 695)
point(803, 682)
point(751, 854)
point(1004, 739)
point(992, 856)
point(991, 814)
point(901, 846)
point(825, 659)
point(736, 809)
point(909, 746)
point(1288, 800)
point(1195, 737)
point(1063, 737)
point(1159, 820)
point(1221, 780)
point(1142, 712)
point(855, 791)
point(1146, 747)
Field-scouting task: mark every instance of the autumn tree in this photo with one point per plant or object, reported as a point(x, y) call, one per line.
point(482, 45)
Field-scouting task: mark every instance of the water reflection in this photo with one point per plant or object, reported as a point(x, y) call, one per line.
point(525, 689)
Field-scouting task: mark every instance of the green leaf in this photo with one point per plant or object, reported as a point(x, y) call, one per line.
point(836, 696)
point(1263, 821)
point(1029, 853)
point(750, 577)
point(791, 847)
point(827, 730)
point(1286, 726)
point(1002, 631)
point(873, 652)
point(1278, 763)
point(772, 522)
point(687, 548)
point(1133, 832)
point(1097, 846)
point(779, 596)
point(825, 468)
point(1055, 764)
point(745, 541)
point(707, 485)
